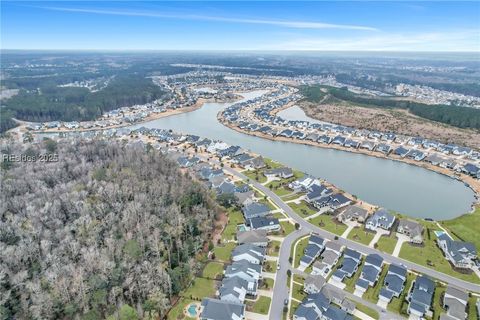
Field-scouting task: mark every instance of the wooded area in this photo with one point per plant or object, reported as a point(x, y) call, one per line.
point(461, 117)
point(106, 227)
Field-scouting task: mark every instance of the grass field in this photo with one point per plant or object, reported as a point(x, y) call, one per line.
point(326, 222)
point(262, 305)
point(176, 312)
point(301, 245)
point(437, 301)
point(270, 266)
point(287, 227)
point(255, 175)
point(360, 235)
point(267, 283)
point(291, 196)
point(387, 243)
point(273, 248)
point(200, 289)
point(431, 253)
point(302, 209)
point(297, 292)
point(294, 305)
point(465, 227)
point(235, 218)
point(213, 270)
point(223, 253)
point(472, 310)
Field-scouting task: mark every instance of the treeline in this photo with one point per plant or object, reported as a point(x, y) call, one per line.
point(461, 117)
point(106, 227)
point(51, 102)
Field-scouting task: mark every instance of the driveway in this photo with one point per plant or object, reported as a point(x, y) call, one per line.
point(380, 232)
point(398, 246)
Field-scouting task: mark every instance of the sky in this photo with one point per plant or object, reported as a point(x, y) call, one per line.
point(248, 25)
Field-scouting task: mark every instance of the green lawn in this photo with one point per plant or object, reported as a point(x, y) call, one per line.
point(329, 223)
point(368, 311)
point(287, 227)
point(292, 196)
point(213, 270)
point(350, 282)
point(387, 243)
point(302, 244)
point(298, 278)
point(235, 217)
point(372, 292)
point(437, 301)
point(223, 252)
point(279, 215)
point(465, 227)
point(200, 289)
point(297, 292)
point(472, 310)
point(273, 248)
point(303, 209)
point(431, 253)
point(270, 266)
point(272, 164)
point(360, 235)
point(399, 304)
point(280, 187)
point(255, 175)
point(262, 305)
point(176, 313)
point(267, 284)
point(293, 307)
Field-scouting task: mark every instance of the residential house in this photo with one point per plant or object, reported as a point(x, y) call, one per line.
point(351, 261)
point(283, 173)
point(421, 296)
point(255, 237)
point(455, 302)
point(412, 229)
point(248, 271)
point(370, 272)
point(213, 309)
point(264, 223)
point(380, 219)
point(233, 289)
point(353, 213)
point(313, 284)
point(249, 252)
point(393, 283)
point(461, 254)
point(244, 198)
point(254, 210)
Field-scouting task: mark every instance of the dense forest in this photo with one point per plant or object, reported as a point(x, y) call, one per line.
point(107, 230)
point(461, 117)
point(51, 102)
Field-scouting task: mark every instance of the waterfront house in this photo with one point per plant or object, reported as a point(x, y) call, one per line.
point(369, 145)
point(316, 192)
point(383, 148)
point(459, 253)
point(250, 253)
point(304, 183)
point(213, 309)
point(255, 163)
point(283, 173)
point(255, 237)
point(353, 213)
point(412, 229)
point(420, 297)
point(338, 140)
point(401, 151)
point(380, 219)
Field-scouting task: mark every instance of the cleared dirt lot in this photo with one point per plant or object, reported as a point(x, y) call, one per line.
point(398, 121)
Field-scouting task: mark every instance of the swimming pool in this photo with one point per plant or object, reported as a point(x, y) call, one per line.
point(242, 227)
point(192, 310)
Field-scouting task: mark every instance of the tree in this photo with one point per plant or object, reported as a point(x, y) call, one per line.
point(127, 313)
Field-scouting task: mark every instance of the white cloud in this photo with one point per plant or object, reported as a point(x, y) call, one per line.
point(280, 23)
point(464, 40)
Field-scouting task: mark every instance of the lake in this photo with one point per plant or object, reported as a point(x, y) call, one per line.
point(397, 186)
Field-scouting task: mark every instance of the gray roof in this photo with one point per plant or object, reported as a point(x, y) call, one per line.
point(252, 236)
point(246, 248)
point(457, 293)
point(214, 309)
point(261, 222)
point(332, 245)
point(317, 281)
point(329, 257)
point(374, 259)
point(255, 209)
point(352, 253)
point(413, 227)
point(354, 211)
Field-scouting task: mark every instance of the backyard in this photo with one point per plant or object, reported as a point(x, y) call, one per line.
point(327, 222)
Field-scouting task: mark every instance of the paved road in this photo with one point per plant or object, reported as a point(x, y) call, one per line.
point(280, 289)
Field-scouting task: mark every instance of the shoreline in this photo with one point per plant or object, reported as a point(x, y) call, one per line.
point(467, 180)
point(199, 104)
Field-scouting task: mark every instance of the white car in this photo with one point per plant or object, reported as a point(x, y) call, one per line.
point(278, 267)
